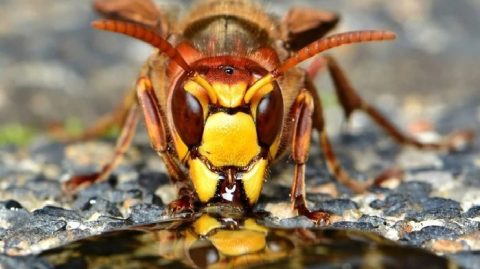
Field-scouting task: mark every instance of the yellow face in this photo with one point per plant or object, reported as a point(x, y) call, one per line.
point(249, 238)
point(226, 132)
point(231, 243)
point(216, 241)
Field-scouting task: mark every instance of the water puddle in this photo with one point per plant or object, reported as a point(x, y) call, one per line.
point(225, 239)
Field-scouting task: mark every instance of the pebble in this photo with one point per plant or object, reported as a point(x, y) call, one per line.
point(145, 213)
point(473, 212)
point(472, 178)
point(13, 215)
point(417, 238)
point(392, 205)
point(434, 208)
point(294, 222)
point(44, 151)
point(363, 226)
point(52, 212)
point(374, 220)
point(414, 190)
point(11, 205)
point(335, 206)
point(103, 206)
point(152, 180)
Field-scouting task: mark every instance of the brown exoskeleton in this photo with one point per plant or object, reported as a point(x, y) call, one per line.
point(223, 97)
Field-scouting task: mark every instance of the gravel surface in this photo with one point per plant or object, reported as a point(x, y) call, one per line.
point(54, 67)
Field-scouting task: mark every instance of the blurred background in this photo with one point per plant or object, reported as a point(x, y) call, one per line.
point(54, 67)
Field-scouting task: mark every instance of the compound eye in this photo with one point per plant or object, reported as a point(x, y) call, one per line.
point(279, 244)
point(203, 253)
point(269, 117)
point(187, 114)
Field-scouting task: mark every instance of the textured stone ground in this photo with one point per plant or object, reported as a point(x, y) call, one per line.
point(437, 206)
point(55, 68)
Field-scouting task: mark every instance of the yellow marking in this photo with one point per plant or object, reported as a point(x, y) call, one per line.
point(274, 147)
point(236, 243)
point(145, 84)
point(258, 85)
point(253, 181)
point(204, 180)
point(230, 95)
point(229, 140)
point(205, 224)
point(205, 85)
point(257, 97)
point(261, 93)
point(180, 147)
point(200, 93)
